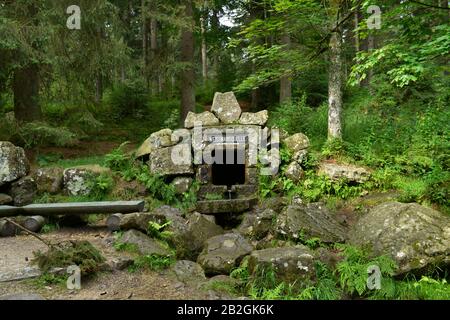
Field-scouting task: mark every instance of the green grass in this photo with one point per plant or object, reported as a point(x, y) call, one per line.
point(47, 279)
point(152, 262)
point(54, 160)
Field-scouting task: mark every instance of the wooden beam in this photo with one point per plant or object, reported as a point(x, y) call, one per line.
point(77, 208)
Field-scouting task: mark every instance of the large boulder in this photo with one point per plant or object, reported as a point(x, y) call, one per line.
point(205, 118)
point(144, 244)
point(168, 162)
point(23, 191)
point(49, 179)
point(294, 172)
point(189, 235)
point(290, 264)
point(256, 225)
point(351, 173)
point(223, 253)
point(188, 271)
point(310, 221)
point(76, 180)
point(259, 118)
point(226, 107)
point(13, 163)
point(296, 142)
point(158, 139)
point(413, 235)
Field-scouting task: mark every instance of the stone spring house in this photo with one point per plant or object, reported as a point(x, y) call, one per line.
point(224, 150)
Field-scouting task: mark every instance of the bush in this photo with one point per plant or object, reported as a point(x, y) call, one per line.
point(299, 117)
point(42, 134)
point(100, 186)
point(80, 253)
point(128, 98)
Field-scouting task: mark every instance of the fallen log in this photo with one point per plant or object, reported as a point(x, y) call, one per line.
point(34, 223)
point(73, 208)
point(113, 221)
point(136, 220)
point(7, 229)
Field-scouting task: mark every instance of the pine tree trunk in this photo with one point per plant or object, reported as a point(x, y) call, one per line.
point(285, 81)
point(335, 75)
point(187, 58)
point(26, 82)
point(215, 29)
point(255, 99)
point(355, 32)
point(98, 88)
point(204, 50)
point(144, 40)
point(154, 48)
point(25, 87)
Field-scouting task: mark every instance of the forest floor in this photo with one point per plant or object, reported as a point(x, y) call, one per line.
point(17, 252)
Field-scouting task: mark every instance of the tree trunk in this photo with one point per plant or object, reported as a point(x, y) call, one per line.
point(26, 93)
point(214, 30)
point(144, 40)
point(335, 75)
point(98, 88)
point(355, 32)
point(204, 50)
point(154, 48)
point(285, 80)
point(187, 58)
point(255, 99)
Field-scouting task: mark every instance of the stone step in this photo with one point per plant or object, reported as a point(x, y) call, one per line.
point(225, 206)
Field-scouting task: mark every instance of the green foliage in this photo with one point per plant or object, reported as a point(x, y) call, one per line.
point(152, 262)
point(80, 253)
point(333, 148)
point(56, 160)
point(128, 247)
point(312, 243)
point(156, 230)
point(100, 186)
point(118, 160)
point(325, 287)
point(189, 199)
point(352, 270)
point(156, 185)
point(49, 227)
point(241, 273)
point(270, 186)
point(173, 120)
point(47, 279)
point(299, 117)
point(127, 99)
point(289, 115)
point(315, 187)
point(42, 134)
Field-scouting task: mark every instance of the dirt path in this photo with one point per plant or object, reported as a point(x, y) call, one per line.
point(16, 253)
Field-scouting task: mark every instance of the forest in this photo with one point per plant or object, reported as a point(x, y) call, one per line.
point(366, 82)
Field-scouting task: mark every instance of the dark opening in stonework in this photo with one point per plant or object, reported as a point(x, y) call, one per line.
point(230, 172)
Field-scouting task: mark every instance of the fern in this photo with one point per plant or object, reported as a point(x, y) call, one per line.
point(156, 230)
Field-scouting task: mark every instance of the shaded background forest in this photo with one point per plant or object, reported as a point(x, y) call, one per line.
point(374, 96)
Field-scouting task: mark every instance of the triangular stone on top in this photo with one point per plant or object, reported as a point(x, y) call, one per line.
point(226, 107)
